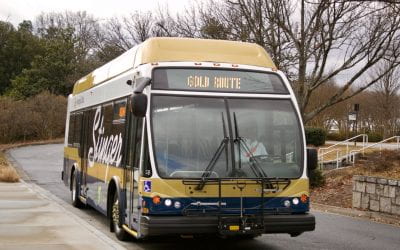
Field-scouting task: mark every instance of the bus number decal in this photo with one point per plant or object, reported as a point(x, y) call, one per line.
point(106, 149)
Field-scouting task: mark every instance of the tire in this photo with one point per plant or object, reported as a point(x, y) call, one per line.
point(76, 202)
point(115, 218)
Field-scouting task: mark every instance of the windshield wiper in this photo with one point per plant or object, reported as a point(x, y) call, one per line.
point(255, 166)
point(207, 172)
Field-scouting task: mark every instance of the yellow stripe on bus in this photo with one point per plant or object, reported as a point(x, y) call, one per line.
point(176, 188)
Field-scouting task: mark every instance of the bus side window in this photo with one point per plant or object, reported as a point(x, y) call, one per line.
point(71, 130)
point(77, 130)
point(119, 123)
point(137, 140)
point(108, 114)
point(119, 114)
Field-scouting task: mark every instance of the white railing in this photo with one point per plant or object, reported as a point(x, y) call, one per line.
point(323, 151)
point(354, 152)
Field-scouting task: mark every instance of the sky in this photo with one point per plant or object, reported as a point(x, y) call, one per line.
point(15, 11)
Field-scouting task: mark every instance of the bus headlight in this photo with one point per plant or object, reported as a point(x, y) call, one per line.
point(177, 204)
point(286, 203)
point(295, 201)
point(168, 202)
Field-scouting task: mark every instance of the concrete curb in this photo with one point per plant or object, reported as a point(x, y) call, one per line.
point(61, 204)
point(47, 195)
point(374, 216)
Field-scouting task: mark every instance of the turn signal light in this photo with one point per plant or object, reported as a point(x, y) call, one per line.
point(304, 198)
point(156, 200)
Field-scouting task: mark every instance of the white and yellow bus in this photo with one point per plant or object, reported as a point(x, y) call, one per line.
point(183, 136)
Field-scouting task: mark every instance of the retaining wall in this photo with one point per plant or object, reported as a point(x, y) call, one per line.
point(376, 194)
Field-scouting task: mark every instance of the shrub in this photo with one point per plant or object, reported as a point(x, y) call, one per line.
point(7, 173)
point(316, 178)
point(341, 136)
point(315, 136)
point(336, 136)
point(374, 137)
point(37, 118)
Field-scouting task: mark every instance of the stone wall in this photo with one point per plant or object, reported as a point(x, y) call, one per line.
point(376, 194)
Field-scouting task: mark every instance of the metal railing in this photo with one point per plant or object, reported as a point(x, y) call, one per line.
point(324, 151)
point(354, 152)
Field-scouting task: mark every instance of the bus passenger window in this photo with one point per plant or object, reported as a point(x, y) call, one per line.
point(138, 140)
point(77, 130)
point(119, 113)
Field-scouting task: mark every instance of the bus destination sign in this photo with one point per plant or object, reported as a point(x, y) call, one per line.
point(218, 80)
point(221, 82)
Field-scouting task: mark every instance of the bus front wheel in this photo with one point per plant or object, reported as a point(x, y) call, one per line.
point(115, 214)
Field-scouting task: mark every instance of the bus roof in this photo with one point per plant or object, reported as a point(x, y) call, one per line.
point(168, 49)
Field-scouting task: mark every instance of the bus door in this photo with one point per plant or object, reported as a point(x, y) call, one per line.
point(132, 170)
point(84, 152)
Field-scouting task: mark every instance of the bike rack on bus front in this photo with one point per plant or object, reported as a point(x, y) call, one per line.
point(235, 220)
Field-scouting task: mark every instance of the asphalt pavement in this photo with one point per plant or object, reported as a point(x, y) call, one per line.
point(43, 164)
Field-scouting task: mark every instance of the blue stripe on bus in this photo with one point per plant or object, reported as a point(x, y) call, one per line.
point(231, 205)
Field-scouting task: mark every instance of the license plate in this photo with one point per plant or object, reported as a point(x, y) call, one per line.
point(234, 228)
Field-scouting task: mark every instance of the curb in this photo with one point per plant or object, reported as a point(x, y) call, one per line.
point(374, 216)
point(61, 204)
point(47, 195)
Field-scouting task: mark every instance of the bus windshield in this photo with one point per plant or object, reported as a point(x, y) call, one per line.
point(252, 136)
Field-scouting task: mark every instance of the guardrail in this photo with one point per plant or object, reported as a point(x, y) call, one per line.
point(354, 152)
point(323, 151)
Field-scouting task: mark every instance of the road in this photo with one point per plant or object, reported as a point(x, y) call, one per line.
point(43, 165)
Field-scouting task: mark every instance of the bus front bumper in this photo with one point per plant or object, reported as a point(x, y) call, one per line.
point(293, 224)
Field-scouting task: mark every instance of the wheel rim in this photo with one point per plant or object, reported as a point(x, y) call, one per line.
point(73, 188)
point(115, 213)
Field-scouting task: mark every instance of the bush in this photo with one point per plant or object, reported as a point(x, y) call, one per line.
point(316, 178)
point(336, 136)
point(315, 136)
point(372, 137)
point(37, 118)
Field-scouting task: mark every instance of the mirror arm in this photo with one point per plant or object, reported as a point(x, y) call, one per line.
point(141, 83)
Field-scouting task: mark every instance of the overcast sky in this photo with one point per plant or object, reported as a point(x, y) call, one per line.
point(15, 11)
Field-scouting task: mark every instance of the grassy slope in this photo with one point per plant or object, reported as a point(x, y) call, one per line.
point(337, 190)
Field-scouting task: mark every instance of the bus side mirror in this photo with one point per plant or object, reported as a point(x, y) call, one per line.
point(139, 104)
point(312, 159)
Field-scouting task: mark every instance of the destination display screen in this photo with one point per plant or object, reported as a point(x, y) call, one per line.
point(218, 80)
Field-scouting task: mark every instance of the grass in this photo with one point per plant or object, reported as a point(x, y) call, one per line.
point(7, 172)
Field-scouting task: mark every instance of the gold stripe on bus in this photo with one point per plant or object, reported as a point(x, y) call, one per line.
point(83, 84)
point(176, 188)
point(99, 171)
point(71, 153)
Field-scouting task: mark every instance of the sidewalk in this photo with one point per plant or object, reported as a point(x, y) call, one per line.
point(32, 219)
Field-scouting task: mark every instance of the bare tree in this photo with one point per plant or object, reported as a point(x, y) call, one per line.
point(387, 98)
point(316, 41)
point(85, 27)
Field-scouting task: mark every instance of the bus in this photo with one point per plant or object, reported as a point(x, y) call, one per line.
point(182, 136)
